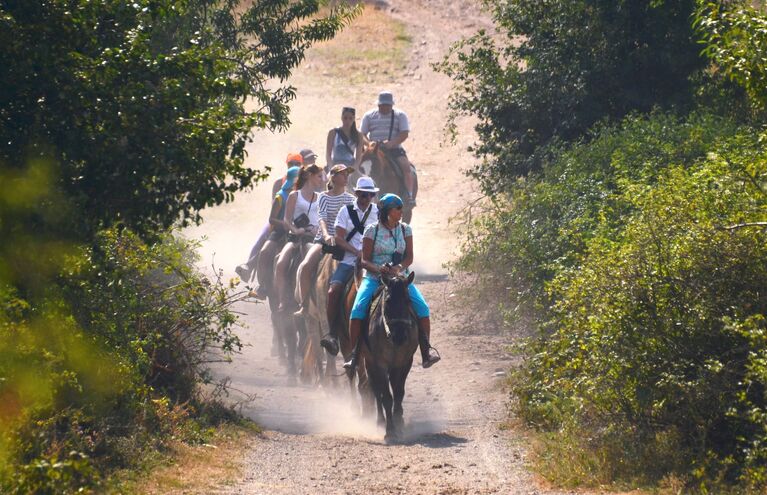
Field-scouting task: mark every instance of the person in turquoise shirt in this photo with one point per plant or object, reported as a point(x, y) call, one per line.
point(387, 249)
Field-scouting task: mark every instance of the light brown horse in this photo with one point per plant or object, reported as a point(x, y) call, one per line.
point(317, 325)
point(385, 172)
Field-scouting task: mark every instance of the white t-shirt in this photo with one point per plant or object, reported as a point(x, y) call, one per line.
point(344, 221)
point(375, 125)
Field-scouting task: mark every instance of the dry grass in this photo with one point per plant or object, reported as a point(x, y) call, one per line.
point(373, 49)
point(198, 469)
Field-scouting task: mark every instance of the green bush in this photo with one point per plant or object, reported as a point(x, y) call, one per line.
point(105, 362)
point(658, 338)
point(542, 224)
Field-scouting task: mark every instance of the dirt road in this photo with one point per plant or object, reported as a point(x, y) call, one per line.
point(315, 441)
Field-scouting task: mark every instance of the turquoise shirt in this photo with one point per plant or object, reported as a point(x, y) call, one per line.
point(387, 242)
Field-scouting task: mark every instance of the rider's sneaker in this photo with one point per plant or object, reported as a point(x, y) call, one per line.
point(330, 344)
point(301, 313)
point(431, 358)
point(410, 201)
point(259, 293)
point(243, 272)
point(351, 364)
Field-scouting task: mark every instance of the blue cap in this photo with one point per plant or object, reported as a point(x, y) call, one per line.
point(290, 178)
point(388, 201)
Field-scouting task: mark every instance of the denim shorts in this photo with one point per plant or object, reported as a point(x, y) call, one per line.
point(342, 275)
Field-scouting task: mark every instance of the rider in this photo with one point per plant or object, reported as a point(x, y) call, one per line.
point(245, 270)
point(387, 249)
point(344, 144)
point(310, 158)
point(350, 225)
point(302, 219)
point(330, 203)
point(277, 235)
point(392, 128)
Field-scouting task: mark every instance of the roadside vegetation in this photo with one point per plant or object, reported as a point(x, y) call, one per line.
point(120, 121)
point(622, 150)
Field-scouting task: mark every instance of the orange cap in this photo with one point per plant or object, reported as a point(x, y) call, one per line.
point(294, 157)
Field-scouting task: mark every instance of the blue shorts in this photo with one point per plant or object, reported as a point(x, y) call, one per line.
point(342, 275)
point(365, 296)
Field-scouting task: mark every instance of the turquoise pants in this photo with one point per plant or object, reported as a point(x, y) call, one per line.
point(365, 296)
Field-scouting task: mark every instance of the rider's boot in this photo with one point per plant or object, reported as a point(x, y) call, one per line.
point(330, 341)
point(355, 328)
point(429, 355)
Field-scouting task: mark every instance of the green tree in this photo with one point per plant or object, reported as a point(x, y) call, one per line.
point(557, 67)
point(148, 105)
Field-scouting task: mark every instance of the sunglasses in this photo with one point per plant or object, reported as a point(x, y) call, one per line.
point(349, 109)
point(363, 194)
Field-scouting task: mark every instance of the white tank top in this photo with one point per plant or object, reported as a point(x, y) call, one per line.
point(308, 207)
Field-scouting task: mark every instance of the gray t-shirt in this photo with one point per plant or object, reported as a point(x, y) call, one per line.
point(376, 126)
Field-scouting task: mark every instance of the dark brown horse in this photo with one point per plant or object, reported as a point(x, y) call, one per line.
point(390, 343)
point(377, 163)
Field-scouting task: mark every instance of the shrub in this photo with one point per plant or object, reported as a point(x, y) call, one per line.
point(106, 361)
point(657, 338)
point(542, 224)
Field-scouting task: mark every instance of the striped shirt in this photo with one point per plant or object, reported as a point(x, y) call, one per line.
point(329, 207)
point(376, 126)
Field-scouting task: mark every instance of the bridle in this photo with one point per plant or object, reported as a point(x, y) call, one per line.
point(387, 322)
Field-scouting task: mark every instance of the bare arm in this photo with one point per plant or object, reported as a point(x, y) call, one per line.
point(367, 256)
point(396, 141)
point(341, 241)
point(329, 149)
point(290, 208)
point(359, 151)
point(408, 253)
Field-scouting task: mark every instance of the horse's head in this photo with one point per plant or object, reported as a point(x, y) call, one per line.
point(396, 306)
point(373, 159)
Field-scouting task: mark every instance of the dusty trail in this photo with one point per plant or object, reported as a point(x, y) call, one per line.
point(315, 441)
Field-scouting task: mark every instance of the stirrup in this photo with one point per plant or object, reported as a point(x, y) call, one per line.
point(428, 363)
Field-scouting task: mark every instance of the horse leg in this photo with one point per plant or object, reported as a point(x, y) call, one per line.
point(397, 378)
point(380, 384)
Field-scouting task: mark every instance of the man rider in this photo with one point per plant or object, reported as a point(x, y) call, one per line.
point(350, 225)
point(392, 128)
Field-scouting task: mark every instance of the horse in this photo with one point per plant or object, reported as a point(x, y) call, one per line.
point(390, 343)
point(317, 325)
point(290, 330)
point(377, 163)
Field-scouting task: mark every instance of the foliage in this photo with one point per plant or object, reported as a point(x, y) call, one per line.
point(147, 106)
point(735, 38)
point(555, 68)
point(543, 223)
point(660, 333)
point(101, 348)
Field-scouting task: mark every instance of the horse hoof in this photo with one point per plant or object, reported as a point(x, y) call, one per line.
point(391, 439)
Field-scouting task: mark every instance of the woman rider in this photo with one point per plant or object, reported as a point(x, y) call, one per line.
point(330, 203)
point(302, 219)
point(388, 241)
point(276, 237)
point(344, 144)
